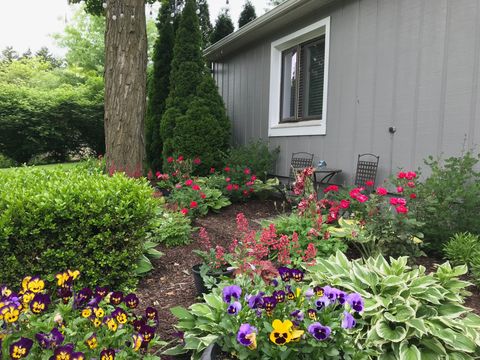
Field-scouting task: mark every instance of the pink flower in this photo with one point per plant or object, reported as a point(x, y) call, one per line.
point(189, 182)
point(195, 187)
point(362, 198)
point(399, 189)
point(401, 175)
point(369, 183)
point(401, 201)
point(184, 211)
point(203, 196)
point(158, 174)
point(170, 159)
point(193, 205)
point(226, 169)
point(411, 175)
point(382, 191)
point(333, 188)
point(235, 187)
point(401, 209)
point(413, 196)
point(344, 204)
point(180, 158)
point(313, 232)
point(250, 183)
point(246, 171)
point(175, 173)
point(212, 170)
point(411, 184)
point(245, 192)
point(197, 161)
point(178, 186)
point(393, 201)
point(228, 179)
point(229, 187)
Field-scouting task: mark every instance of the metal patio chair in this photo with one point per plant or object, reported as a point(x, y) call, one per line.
point(300, 160)
point(367, 166)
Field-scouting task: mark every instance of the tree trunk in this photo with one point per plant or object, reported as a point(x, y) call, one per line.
point(125, 86)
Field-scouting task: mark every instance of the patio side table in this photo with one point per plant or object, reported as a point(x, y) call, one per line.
point(322, 176)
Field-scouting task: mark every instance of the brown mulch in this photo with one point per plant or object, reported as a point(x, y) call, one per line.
point(171, 283)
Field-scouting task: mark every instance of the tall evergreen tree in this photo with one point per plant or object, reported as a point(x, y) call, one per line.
point(159, 85)
point(223, 27)
point(205, 24)
point(248, 14)
point(195, 122)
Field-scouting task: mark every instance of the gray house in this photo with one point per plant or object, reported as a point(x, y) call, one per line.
point(398, 78)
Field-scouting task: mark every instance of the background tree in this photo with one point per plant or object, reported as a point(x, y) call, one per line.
point(45, 55)
point(223, 26)
point(248, 14)
point(159, 85)
point(195, 122)
point(205, 24)
point(8, 54)
point(125, 82)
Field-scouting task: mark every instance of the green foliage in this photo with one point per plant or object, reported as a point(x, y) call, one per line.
point(171, 228)
point(205, 24)
point(408, 314)
point(449, 198)
point(49, 111)
point(209, 322)
point(51, 322)
point(52, 219)
point(223, 27)
point(256, 155)
point(464, 249)
point(248, 14)
point(159, 87)
point(302, 226)
point(6, 162)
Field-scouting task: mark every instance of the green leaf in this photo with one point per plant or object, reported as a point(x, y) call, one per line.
point(384, 331)
point(181, 313)
point(409, 352)
point(451, 310)
point(213, 301)
point(417, 324)
point(401, 313)
point(433, 344)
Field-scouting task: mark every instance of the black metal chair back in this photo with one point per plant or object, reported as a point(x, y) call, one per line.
point(367, 166)
point(300, 160)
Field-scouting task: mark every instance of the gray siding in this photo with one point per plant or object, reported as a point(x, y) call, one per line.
point(412, 64)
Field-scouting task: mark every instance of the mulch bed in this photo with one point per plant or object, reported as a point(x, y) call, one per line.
point(171, 283)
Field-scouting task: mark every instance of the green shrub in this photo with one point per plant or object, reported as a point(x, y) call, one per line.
point(303, 225)
point(256, 155)
point(449, 199)
point(172, 228)
point(52, 219)
point(408, 314)
point(464, 249)
point(6, 162)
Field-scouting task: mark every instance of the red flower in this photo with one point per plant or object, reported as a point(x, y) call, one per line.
point(393, 201)
point(253, 178)
point(229, 187)
point(401, 209)
point(245, 193)
point(333, 188)
point(212, 170)
point(170, 159)
point(411, 184)
point(344, 204)
point(228, 179)
point(203, 196)
point(246, 171)
point(180, 158)
point(401, 175)
point(158, 174)
point(413, 196)
point(196, 187)
point(411, 175)
point(382, 191)
point(369, 183)
point(184, 211)
point(197, 161)
point(226, 169)
point(235, 187)
point(193, 205)
point(189, 182)
point(399, 189)
point(362, 198)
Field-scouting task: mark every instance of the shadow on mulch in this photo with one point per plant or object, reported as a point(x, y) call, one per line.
point(171, 283)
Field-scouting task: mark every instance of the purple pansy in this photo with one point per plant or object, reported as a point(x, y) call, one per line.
point(243, 332)
point(232, 291)
point(63, 352)
point(348, 321)
point(131, 300)
point(107, 354)
point(39, 303)
point(116, 297)
point(322, 302)
point(319, 332)
point(84, 295)
point(284, 273)
point(50, 341)
point(151, 313)
point(255, 301)
point(101, 291)
point(148, 332)
point(234, 308)
point(309, 293)
point(355, 301)
point(297, 274)
point(269, 303)
point(20, 348)
point(279, 295)
point(312, 314)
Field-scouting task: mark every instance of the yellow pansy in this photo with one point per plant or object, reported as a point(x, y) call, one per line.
point(112, 324)
point(99, 312)
point(86, 312)
point(97, 322)
point(10, 314)
point(92, 342)
point(62, 278)
point(25, 282)
point(74, 274)
point(36, 285)
point(282, 332)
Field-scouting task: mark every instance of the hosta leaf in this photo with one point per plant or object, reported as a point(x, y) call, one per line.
point(365, 276)
point(213, 300)
point(384, 331)
point(472, 320)
point(400, 314)
point(202, 310)
point(181, 313)
point(451, 310)
point(409, 352)
point(417, 324)
point(392, 280)
point(434, 345)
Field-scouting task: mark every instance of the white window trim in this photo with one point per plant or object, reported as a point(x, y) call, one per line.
point(310, 127)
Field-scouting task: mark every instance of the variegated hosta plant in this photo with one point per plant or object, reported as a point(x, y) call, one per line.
point(408, 314)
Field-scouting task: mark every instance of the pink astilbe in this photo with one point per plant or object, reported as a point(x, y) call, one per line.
point(219, 256)
point(242, 223)
point(204, 239)
point(310, 254)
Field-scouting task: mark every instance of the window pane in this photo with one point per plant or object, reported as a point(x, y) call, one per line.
point(313, 67)
point(289, 83)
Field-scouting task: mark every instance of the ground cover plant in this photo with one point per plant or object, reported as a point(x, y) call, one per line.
point(464, 249)
point(55, 218)
point(278, 318)
point(67, 322)
point(408, 314)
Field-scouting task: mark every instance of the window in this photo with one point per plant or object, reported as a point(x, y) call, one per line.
point(298, 82)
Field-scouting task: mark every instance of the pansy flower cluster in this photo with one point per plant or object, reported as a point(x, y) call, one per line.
point(76, 326)
point(297, 315)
